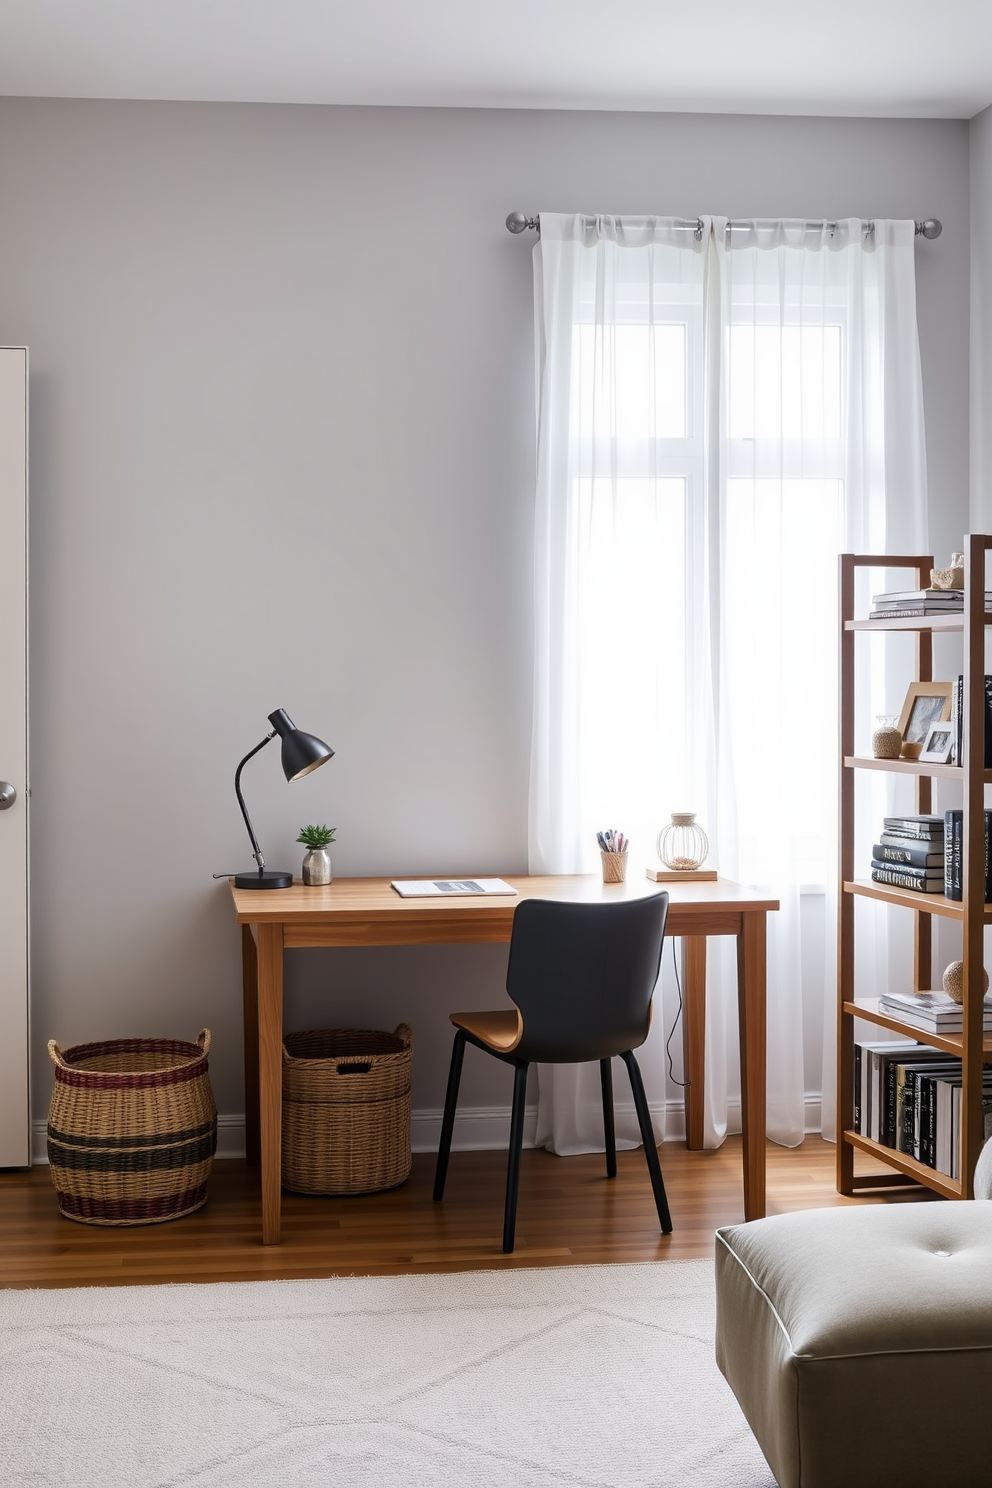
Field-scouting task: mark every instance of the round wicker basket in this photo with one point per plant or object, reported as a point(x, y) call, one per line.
point(132, 1129)
point(346, 1110)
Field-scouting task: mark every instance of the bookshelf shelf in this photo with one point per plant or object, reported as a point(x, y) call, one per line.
point(936, 904)
point(929, 1177)
point(954, 621)
point(972, 1046)
point(910, 767)
point(951, 1043)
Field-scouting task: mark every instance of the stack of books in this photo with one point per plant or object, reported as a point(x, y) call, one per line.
point(913, 602)
point(934, 1011)
point(910, 854)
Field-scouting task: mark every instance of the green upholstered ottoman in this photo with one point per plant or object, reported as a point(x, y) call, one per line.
point(858, 1342)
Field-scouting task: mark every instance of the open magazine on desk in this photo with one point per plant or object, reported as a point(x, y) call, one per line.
point(429, 888)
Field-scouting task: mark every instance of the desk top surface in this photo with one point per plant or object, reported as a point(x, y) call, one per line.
point(373, 898)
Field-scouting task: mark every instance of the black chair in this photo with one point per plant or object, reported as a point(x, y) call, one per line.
point(582, 977)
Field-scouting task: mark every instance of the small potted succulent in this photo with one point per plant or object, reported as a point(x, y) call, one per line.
point(316, 860)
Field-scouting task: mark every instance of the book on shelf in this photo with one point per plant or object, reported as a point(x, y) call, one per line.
point(893, 850)
point(896, 877)
point(954, 855)
point(908, 870)
point(918, 828)
point(957, 721)
point(934, 1011)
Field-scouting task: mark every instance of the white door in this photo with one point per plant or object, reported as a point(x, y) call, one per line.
point(15, 1124)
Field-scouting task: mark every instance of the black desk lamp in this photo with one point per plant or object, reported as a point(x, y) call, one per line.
point(301, 753)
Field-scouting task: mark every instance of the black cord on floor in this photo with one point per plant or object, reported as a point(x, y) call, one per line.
point(668, 1042)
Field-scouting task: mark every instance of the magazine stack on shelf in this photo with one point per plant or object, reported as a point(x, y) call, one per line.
point(903, 604)
point(933, 1011)
point(909, 854)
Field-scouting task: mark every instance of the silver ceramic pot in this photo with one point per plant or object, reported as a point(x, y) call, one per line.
point(317, 866)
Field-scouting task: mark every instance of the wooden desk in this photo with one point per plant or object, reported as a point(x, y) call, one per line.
point(367, 912)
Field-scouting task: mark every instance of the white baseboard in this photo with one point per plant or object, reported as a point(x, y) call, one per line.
point(477, 1128)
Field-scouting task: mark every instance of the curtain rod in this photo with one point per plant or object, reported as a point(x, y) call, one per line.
point(519, 222)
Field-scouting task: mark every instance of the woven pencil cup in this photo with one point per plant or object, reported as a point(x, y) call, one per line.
point(132, 1129)
point(614, 866)
point(346, 1110)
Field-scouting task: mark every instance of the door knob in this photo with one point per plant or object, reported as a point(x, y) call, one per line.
point(8, 794)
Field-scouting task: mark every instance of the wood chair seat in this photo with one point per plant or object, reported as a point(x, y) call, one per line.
point(499, 1031)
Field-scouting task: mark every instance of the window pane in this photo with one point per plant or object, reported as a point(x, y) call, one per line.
point(780, 598)
point(630, 617)
point(784, 382)
point(629, 381)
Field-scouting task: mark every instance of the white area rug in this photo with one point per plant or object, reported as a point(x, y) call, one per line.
point(590, 1377)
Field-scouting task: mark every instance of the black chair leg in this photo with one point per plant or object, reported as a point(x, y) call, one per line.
point(448, 1123)
point(513, 1158)
point(609, 1125)
point(647, 1137)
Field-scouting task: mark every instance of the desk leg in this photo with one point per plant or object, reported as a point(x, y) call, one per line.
point(270, 1077)
point(751, 974)
point(694, 1036)
point(249, 975)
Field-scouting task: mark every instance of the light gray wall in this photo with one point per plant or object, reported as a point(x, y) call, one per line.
point(282, 448)
point(981, 321)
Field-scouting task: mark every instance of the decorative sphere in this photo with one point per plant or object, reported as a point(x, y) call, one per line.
point(953, 980)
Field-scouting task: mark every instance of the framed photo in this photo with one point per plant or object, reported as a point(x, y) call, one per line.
point(937, 744)
point(926, 703)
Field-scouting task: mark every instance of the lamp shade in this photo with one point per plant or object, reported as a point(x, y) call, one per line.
point(301, 752)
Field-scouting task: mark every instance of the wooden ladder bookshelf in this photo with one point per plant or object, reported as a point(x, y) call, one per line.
point(971, 1046)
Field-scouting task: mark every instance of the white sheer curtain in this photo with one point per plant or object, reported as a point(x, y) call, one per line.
point(719, 415)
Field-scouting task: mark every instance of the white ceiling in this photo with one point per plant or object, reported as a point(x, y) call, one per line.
point(890, 58)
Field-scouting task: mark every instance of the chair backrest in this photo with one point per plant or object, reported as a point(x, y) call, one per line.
point(583, 976)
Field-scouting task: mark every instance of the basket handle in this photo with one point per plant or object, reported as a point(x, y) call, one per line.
point(204, 1040)
point(55, 1055)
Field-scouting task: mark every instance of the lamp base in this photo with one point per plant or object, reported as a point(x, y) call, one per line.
point(266, 880)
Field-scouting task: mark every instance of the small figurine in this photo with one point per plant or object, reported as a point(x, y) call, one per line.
point(951, 577)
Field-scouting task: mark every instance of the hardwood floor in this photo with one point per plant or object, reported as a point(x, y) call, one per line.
point(569, 1214)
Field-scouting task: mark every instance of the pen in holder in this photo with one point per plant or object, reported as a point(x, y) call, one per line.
point(613, 852)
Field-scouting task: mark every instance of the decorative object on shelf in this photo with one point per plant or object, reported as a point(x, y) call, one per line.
point(346, 1110)
point(301, 753)
point(683, 845)
point(613, 853)
point(951, 577)
point(132, 1129)
point(938, 744)
point(317, 860)
point(926, 703)
point(953, 980)
point(886, 741)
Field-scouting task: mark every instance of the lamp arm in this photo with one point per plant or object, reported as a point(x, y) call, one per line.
point(257, 851)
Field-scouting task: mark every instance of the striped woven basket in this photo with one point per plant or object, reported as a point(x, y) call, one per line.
point(132, 1129)
point(346, 1110)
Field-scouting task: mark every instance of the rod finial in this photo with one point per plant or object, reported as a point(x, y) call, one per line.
point(519, 222)
point(930, 228)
